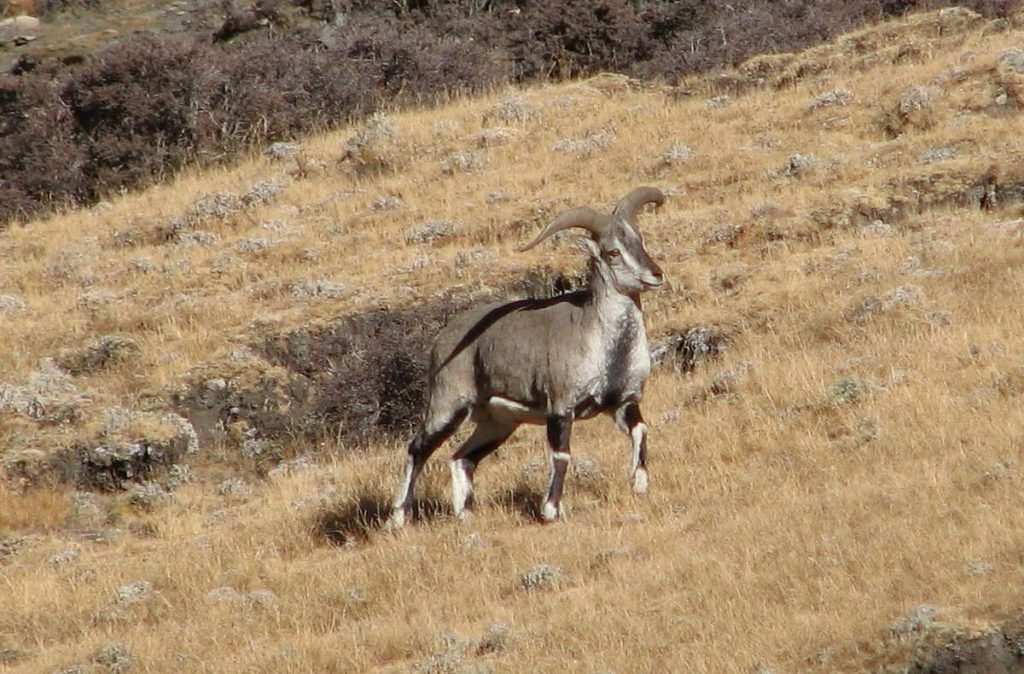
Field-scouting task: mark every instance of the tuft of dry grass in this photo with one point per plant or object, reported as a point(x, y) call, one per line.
point(835, 488)
point(44, 510)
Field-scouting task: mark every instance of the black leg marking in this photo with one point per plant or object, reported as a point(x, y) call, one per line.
point(487, 437)
point(559, 429)
point(425, 443)
point(477, 453)
point(631, 415)
point(631, 422)
point(420, 449)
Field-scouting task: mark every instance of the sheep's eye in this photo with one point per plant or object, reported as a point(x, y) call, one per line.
point(614, 253)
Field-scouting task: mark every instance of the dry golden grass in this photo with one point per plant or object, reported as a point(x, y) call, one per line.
point(865, 461)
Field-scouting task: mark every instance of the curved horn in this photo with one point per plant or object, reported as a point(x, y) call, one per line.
point(635, 200)
point(584, 216)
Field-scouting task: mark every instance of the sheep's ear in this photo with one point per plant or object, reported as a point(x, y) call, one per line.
point(588, 246)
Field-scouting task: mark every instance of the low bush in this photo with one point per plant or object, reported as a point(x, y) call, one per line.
point(147, 105)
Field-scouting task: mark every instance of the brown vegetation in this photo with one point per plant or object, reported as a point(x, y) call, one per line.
point(88, 123)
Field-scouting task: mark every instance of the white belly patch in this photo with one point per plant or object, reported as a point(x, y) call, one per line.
point(503, 408)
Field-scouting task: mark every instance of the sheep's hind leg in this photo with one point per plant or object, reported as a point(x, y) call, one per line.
point(430, 437)
point(630, 422)
point(487, 437)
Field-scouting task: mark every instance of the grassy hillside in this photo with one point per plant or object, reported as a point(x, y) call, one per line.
point(838, 489)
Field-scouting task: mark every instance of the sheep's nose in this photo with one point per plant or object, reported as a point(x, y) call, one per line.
point(657, 275)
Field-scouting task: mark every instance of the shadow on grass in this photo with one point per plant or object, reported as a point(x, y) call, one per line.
point(346, 523)
point(524, 500)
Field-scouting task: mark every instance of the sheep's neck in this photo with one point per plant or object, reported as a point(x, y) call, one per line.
point(605, 295)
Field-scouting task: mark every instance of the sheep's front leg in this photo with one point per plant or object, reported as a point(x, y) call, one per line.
point(630, 422)
point(559, 427)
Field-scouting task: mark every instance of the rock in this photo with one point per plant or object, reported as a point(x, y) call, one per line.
point(224, 595)
point(63, 558)
point(979, 567)
point(878, 229)
point(76, 669)
point(216, 384)
point(299, 464)
point(584, 467)
point(10, 304)
point(372, 149)
point(234, 487)
point(938, 154)
point(510, 111)
point(921, 618)
point(996, 26)
point(177, 475)
point(49, 395)
point(541, 577)
point(355, 595)
point(463, 162)
point(281, 151)
point(729, 380)
point(800, 164)
point(685, 351)
point(903, 296)
point(450, 651)
point(848, 390)
point(1013, 59)
point(836, 97)
point(915, 98)
point(473, 541)
point(23, 22)
point(147, 496)
point(256, 244)
point(86, 511)
point(678, 153)
point(263, 599)
point(586, 146)
point(213, 206)
point(431, 232)
point(494, 136)
point(494, 640)
point(100, 354)
point(202, 239)
point(718, 102)
point(133, 593)
point(115, 657)
point(387, 202)
point(262, 193)
point(114, 464)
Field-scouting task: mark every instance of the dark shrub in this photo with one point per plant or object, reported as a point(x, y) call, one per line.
point(134, 107)
point(367, 372)
point(148, 105)
point(39, 160)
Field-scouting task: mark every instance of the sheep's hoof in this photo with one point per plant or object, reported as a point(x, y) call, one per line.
point(396, 521)
point(640, 481)
point(550, 512)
